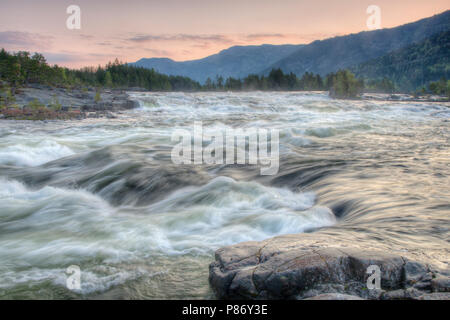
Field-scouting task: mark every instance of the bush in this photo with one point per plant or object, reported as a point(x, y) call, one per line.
point(35, 105)
point(55, 105)
point(6, 96)
point(345, 85)
point(97, 97)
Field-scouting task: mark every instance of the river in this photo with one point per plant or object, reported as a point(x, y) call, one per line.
point(105, 195)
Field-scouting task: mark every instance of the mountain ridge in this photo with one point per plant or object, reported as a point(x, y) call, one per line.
point(236, 61)
point(320, 56)
point(412, 66)
point(330, 55)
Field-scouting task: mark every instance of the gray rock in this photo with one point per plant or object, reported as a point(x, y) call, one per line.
point(441, 284)
point(334, 296)
point(415, 272)
point(303, 266)
point(435, 296)
point(114, 100)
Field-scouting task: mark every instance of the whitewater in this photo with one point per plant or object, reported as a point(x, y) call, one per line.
point(105, 195)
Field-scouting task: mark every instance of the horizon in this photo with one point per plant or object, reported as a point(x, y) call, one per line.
point(156, 30)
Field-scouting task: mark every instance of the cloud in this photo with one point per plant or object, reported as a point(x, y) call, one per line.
point(65, 57)
point(159, 52)
point(142, 38)
point(259, 36)
point(55, 58)
point(24, 40)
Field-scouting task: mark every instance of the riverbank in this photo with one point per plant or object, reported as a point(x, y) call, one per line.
point(39, 102)
point(405, 97)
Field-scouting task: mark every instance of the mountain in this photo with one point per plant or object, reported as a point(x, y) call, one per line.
point(320, 57)
point(330, 55)
point(237, 62)
point(413, 66)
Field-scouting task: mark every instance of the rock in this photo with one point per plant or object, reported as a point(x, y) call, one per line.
point(440, 284)
point(111, 100)
point(304, 266)
point(334, 296)
point(415, 272)
point(394, 295)
point(435, 296)
point(287, 275)
point(402, 294)
point(132, 104)
point(417, 275)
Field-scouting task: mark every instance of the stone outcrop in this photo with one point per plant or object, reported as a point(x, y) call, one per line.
point(295, 267)
point(75, 102)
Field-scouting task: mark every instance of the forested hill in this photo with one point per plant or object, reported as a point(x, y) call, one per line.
point(343, 52)
point(22, 68)
point(411, 67)
point(236, 62)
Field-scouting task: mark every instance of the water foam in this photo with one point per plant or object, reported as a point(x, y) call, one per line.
point(33, 154)
point(42, 230)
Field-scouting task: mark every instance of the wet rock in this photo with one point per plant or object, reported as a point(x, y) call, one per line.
point(440, 284)
point(435, 296)
point(402, 294)
point(76, 99)
point(297, 267)
point(415, 272)
point(334, 296)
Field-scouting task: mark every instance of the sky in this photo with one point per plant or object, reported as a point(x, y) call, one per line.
point(186, 29)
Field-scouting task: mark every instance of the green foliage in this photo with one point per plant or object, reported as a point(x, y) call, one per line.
point(381, 86)
point(21, 69)
point(6, 96)
point(344, 84)
point(55, 104)
point(35, 105)
point(440, 87)
point(276, 80)
point(97, 97)
point(108, 80)
point(413, 67)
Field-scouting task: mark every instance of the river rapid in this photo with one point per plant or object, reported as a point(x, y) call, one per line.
point(104, 194)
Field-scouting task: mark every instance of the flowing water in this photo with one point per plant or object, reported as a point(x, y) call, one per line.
point(103, 194)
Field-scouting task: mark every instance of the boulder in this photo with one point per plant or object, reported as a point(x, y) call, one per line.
point(295, 267)
point(334, 296)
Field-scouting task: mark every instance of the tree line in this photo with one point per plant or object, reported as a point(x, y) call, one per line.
point(22, 68)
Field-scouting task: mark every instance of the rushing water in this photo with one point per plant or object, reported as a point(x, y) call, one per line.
point(104, 194)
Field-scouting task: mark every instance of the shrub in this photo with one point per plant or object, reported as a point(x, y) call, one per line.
point(55, 105)
point(345, 85)
point(35, 105)
point(97, 97)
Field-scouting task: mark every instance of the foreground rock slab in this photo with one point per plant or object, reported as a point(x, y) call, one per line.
point(295, 267)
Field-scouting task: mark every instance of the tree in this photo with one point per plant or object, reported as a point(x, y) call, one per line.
point(345, 85)
point(108, 80)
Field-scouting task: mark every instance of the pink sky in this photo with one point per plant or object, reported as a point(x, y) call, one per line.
point(186, 29)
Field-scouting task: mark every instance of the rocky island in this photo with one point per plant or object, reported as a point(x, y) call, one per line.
point(42, 102)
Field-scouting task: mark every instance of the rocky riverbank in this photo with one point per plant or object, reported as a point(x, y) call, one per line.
point(314, 266)
point(404, 97)
point(39, 102)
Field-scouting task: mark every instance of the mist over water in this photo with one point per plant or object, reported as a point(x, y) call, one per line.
point(104, 194)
